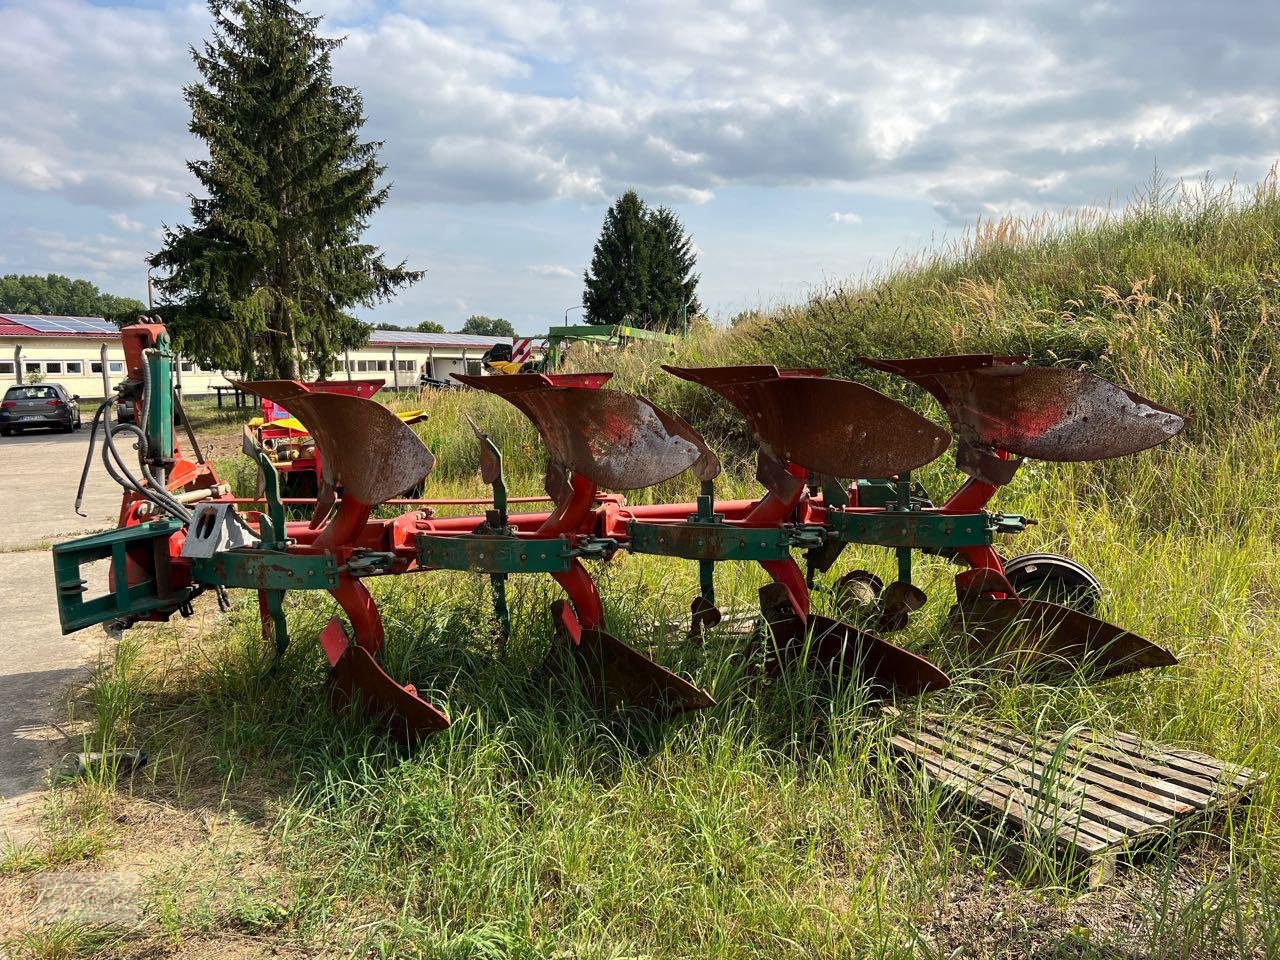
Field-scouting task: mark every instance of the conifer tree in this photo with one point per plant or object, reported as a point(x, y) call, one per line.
point(641, 271)
point(673, 284)
point(263, 277)
point(617, 284)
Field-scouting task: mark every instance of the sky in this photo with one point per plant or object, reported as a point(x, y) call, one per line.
point(802, 142)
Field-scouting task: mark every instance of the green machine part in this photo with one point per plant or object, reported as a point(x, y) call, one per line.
point(159, 362)
point(906, 521)
point(693, 540)
point(494, 554)
point(122, 599)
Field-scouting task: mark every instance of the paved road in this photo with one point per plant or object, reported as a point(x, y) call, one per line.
point(38, 477)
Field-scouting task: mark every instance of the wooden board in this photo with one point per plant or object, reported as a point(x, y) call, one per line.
point(1092, 797)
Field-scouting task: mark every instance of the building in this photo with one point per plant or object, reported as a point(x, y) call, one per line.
point(85, 355)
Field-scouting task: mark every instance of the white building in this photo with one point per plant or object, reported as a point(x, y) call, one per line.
point(85, 355)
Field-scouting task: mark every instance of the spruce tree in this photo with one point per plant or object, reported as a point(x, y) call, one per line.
point(673, 283)
point(641, 271)
point(262, 278)
point(617, 284)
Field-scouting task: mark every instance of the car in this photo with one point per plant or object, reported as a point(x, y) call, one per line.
point(39, 405)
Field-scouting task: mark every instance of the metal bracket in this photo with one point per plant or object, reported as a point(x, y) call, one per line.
point(148, 545)
point(255, 569)
point(214, 527)
point(494, 554)
point(710, 541)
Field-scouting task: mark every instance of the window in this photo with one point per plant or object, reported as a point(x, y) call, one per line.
point(53, 366)
point(31, 393)
point(116, 366)
point(95, 366)
point(32, 367)
point(6, 368)
point(76, 367)
point(473, 368)
point(362, 366)
point(382, 366)
point(406, 365)
point(186, 366)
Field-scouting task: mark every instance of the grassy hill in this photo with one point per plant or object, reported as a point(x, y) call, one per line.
point(771, 826)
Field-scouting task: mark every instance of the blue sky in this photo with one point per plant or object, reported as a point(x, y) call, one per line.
point(802, 142)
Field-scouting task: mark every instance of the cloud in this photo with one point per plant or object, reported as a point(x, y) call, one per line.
point(553, 270)
point(522, 104)
point(93, 255)
point(846, 217)
point(127, 223)
point(93, 110)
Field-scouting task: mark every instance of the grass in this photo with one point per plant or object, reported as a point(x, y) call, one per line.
point(772, 825)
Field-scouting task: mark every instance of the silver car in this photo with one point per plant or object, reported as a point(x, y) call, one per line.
point(39, 405)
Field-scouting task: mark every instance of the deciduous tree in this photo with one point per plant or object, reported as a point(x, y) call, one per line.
point(64, 297)
point(483, 326)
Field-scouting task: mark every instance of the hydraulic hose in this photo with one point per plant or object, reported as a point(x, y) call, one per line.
point(153, 490)
point(94, 425)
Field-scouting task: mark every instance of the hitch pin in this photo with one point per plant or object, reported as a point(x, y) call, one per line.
point(146, 508)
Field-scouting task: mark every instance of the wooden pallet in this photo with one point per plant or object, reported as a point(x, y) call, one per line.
point(1092, 798)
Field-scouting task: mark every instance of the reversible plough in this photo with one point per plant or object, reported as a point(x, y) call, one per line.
point(835, 461)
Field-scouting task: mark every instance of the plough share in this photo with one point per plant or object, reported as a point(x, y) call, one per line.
point(835, 462)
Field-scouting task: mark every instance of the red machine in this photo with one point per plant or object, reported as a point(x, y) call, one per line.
point(289, 444)
point(823, 443)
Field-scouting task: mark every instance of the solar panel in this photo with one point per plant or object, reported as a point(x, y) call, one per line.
point(89, 325)
point(60, 324)
point(45, 325)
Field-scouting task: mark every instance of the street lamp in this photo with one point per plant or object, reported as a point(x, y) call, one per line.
point(576, 306)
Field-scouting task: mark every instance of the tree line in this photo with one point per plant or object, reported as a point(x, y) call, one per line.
point(477, 324)
point(61, 296)
point(264, 276)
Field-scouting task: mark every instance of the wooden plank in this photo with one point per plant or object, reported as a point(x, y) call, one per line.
point(1024, 774)
point(1127, 772)
point(999, 797)
point(1130, 795)
point(1155, 765)
point(1124, 779)
point(1190, 761)
point(1100, 803)
point(1195, 787)
point(1091, 793)
point(1239, 775)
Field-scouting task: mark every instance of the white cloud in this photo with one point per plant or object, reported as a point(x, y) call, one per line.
point(127, 223)
point(519, 105)
point(526, 102)
point(553, 270)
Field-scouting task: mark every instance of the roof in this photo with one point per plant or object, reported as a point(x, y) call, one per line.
point(40, 325)
point(412, 338)
point(43, 325)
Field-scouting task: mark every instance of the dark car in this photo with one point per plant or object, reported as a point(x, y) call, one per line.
point(39, 405)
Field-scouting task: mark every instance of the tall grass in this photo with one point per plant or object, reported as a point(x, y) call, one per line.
point(774, 825)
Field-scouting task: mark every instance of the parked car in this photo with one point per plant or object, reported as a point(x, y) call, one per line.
point(39, 405)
